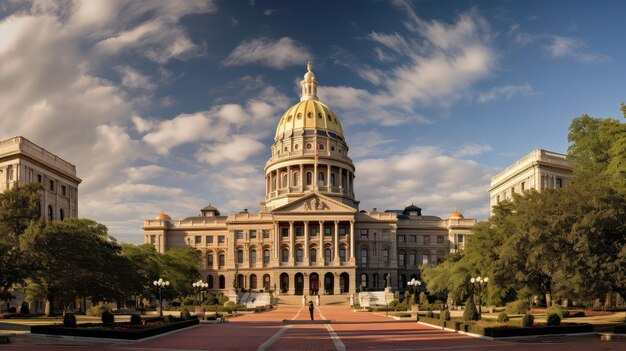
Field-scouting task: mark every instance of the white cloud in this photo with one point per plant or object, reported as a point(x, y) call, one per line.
point(472, 149)
point(132, 79)
point(237, 148)
point(559, 46)
point(273, 53)
point(424, 176)
point(507, 92)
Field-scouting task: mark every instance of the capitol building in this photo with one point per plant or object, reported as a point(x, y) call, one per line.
point(309, 236)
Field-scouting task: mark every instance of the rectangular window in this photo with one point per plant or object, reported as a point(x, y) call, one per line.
point(152, 239)
point(385, 255)
point(63, 190)
point(210, 260)
point(559, 182)
point(240, 256)
point(523, 186)
point(266, 256)
point(342, 254)
point(313, 231)
point(460, 238)
point(401, 238)
point(239, 234)
point(266, 234)
point(401, 260)
point(413, 238)
point(222, 260)
point(439, 239)
point(221, 239)
point(52, 185)
point(426, 239)
point(209, 239)
point(328, 231)
point(412, 260)
point(198, 239)
point(39, 179)
point(425, 258)
point(363, 233)
point(342, 231)
point(253, 234)
point(285, 255)
point(364, 257)
point(253, 257)
point(498, 199)
point(299, 231)
point(284, 232)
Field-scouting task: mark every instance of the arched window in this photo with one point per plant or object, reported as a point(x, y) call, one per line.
point(327, 255)
point(401, 259)
point(222, 283)
point(253, 258)
point(61, 214)
point(375, 282)
point(313, 255)
point(321, 146)
point(50, 213)
point(309, 178)
point(239, 256)
point(252, 281)
point(332, 179)
point(299, 254)
point(209, 260)
point(342, 254)
point(222, 261)
point(266, 256)
point(321, 179)
point(364, 282)
point(284, 184)
point(364, 257)
point(296, 178)
point(209, 280)
point(266, 281)
point(285, 255)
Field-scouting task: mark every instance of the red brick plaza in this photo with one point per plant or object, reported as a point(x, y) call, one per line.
point(348, 331)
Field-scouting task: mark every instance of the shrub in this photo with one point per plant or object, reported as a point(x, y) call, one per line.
point(404, 315)
point(69, 320)
point(188, 301)
point(423, 299)
point(97, 311)
point(445, 315)
point(417, 317)
point(393, 303)
point(553, 319)
point(560, 310)
point(135, 319)
point(108, 318)
point(470, 313)
point(24, 308)
point(528, 320)
point(221, 299)
point(577, 314)
point(401, 307)
point(229, 304)
point(517, 307)
point(184, 314)
point(503, 317)
point(430, 314)
point(438, 304)
point(175, 303)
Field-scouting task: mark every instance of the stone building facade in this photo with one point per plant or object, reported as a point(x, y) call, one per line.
point(309, 236)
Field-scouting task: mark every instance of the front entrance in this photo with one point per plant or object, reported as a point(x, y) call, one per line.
point(314, 284)
point(284, 283)
point(329, 283)
point(299, 284)
point(344, 282)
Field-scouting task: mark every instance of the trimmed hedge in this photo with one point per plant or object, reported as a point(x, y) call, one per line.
point(95, 332)
point(619, 329)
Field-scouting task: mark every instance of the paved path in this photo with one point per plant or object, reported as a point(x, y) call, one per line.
point(349, 331)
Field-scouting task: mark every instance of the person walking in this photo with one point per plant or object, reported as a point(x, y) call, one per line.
point(311, 308)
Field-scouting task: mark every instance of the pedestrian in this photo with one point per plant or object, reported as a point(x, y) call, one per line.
point(311, 308)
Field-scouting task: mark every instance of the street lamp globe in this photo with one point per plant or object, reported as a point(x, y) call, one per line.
point(486, 280)
point(473, 280)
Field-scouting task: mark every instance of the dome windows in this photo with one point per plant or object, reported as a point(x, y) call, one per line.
point(289, 118)
point(295, 147)
point(332, 148)
point(299, 115)
point(310, 114)
point(321, 146)
point(309, 146)
point(330, 118)
point(286, 149)
point(319, 115)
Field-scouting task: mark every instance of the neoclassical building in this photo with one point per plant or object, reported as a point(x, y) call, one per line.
point(309, 236)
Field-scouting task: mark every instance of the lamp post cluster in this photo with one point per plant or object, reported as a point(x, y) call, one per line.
point(413, 285)
point(199, 285)
point(161, 284)
point(477, 284)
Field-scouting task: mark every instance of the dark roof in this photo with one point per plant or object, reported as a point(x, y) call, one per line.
point(209, 208)
point(202, 218)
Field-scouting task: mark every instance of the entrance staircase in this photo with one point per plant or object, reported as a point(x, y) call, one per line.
point(296, 300)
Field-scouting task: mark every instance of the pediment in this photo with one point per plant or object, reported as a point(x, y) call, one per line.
point(314, 203)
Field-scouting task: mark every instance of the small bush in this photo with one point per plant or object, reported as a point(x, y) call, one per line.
point(135, 319)
point(401, 307)
point(517, 307)
point(445, 315)
point(577, 314)
point(438, 304)
point(430, 314)
point(393, 303)
point(503, 317)
point(229, 304)
point(528, 320)
point(188, 301)
point(221, 299)
point(108, 318)
point(69, 320)
point(470, 313)
point(24, 308)
point(96, 311)
point(560, 310)
point(184, 314)
point(553, 320)
point(423, 299)
point(417, 317)
point(404, 315)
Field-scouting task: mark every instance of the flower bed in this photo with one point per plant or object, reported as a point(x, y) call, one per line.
point(495, 330)
point(117, 331)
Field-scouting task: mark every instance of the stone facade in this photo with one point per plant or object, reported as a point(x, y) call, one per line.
point(309, 236)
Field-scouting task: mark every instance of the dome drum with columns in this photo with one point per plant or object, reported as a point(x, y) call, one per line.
point(309, 236)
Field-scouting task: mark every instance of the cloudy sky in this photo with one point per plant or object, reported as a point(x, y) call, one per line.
point(173, 105)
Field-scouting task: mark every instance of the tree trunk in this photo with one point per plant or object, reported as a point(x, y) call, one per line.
point(548, 299)
point(49, 309)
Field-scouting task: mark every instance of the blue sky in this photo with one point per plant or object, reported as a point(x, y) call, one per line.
point(173, 105)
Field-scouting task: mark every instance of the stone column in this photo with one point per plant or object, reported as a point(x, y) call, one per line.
point(336, 244)
point(306, 242)
point(328, 177)
point(341, 180)
point(321, 248)
point(292, 246)
point(288, 179)
point(305, 285)
point(292, 284)
point(352, 240)
point(301, 177)
point(336, 285)
point(276, 239)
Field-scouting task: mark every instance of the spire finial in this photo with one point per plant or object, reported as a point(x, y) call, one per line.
point(308, 66)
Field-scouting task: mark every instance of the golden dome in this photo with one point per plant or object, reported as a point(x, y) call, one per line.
point(309, 115)
point(164, 217)
point(456, 215)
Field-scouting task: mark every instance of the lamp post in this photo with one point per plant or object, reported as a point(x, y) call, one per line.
point(477, 284)
point(413, 284)
point(161, 284)
point(199, 285)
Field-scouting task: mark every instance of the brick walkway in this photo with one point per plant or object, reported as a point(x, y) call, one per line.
point(353, 330)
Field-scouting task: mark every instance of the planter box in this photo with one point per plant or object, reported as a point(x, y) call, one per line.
point(130, 334)
point(562, 329)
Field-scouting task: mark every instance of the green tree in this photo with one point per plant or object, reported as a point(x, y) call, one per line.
point(180, 267)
